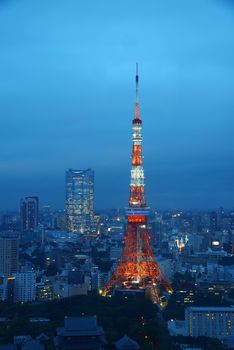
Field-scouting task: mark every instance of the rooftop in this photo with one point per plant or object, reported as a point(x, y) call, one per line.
point(126, 343)
point(33, 344)
point(210, 308)
point(8, 347)
point(80, 326)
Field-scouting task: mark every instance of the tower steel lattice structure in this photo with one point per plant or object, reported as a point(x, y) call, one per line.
point(137, 267)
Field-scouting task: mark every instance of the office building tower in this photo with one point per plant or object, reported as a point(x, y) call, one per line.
point(3, 288)
point(80, 200)
point(9, 253)
point(213, 221)
point(213, 322)
point(24, 286)
point(7, 222)
point(29, 213)
point(46, 216)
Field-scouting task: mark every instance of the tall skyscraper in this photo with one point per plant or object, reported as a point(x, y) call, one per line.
point(80, 200)
point(29, 213)
point(9, 253)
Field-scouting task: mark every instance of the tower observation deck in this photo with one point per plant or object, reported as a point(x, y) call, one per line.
point(137, 267)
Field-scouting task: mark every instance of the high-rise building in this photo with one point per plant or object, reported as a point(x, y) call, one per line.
point(7, 222)
point(213, 221)
point(80, 200)
point(24, 286)
point(9, 253)
point(3, 288)
point(29, 213)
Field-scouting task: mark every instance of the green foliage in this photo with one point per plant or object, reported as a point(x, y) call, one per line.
point(103, 265)
point(119, 316)
point(38, 258)
point(101, 259)
point(52, 270)
point(231, 294)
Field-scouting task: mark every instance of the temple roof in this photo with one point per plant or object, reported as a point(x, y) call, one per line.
point(80, 326)
point(126, 343)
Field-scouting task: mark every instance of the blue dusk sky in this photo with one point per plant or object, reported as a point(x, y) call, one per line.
point(67, 95)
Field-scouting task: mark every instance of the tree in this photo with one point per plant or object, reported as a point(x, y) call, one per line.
point(52, 270)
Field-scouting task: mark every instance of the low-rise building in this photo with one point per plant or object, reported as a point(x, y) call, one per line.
point(66, 290)
point(70, 283)
point(213, 322)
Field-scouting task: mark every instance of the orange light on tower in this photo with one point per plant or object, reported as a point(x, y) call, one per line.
point(137, 264)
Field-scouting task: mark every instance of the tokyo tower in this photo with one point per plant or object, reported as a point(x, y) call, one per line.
point(137, 267)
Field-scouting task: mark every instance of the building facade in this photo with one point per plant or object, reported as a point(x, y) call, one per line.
point(24, 287)
point(213, 322)
point(29, 213)
point(80, 200)
point(9, 253)
point(3, 288)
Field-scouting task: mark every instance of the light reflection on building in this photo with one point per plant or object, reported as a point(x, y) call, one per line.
point(80, 200)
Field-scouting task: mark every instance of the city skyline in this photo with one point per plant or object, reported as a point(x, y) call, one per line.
point(117, 173)
point(65, 84)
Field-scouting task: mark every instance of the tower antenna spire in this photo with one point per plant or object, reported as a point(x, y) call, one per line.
point(137, 112)
point(137, 82)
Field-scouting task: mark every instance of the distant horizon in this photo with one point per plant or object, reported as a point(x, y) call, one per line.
point(98, 210)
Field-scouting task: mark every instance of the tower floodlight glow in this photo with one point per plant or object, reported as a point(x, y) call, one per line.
point(137, 266)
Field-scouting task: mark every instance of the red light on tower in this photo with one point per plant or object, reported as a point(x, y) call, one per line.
point(137, 264)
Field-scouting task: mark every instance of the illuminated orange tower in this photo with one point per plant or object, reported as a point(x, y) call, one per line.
point(137, 267)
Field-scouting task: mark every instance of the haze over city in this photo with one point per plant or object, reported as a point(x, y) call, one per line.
point(67, 99)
